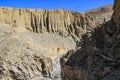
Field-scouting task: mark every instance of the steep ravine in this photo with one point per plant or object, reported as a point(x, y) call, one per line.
point(98, 54)
point(32, 40)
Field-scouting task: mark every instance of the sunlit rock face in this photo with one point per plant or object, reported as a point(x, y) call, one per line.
point(45, 21)
point(98, 54)
point(32, 41)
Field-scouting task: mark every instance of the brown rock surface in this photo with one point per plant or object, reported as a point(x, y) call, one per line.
point(98, 54)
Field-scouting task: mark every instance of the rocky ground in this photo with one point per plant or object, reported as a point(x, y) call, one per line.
point(24, 52)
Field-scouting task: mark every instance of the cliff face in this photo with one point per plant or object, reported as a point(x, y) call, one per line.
point(62, 22)
point(32, 40)
point(116, 15)
point(98, 55)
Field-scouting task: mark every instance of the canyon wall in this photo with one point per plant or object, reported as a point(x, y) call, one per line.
point(98, 55)
point(60, 21)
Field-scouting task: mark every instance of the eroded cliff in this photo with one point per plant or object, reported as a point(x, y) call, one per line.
point(60, 21)
point(98, 55)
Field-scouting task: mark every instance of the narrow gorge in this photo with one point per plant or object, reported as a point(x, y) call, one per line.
point(60, 44)
point(98, 55)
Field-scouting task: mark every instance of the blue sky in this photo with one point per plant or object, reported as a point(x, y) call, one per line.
point(75, 5)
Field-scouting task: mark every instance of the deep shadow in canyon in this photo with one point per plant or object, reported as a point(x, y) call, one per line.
point(97, 56)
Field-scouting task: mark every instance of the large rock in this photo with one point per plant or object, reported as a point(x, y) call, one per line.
point(116, 15)
point(97, 56)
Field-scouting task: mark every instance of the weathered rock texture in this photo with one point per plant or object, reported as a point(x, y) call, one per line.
point(116, 15)
point(30, 40)
point(20, 61)
point(98, 54)
point(24, 52)
point(61, 21)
